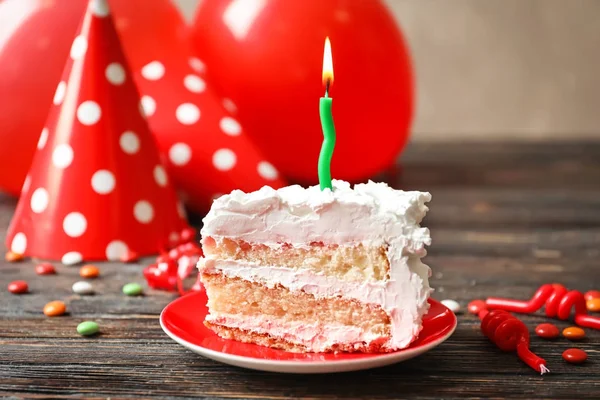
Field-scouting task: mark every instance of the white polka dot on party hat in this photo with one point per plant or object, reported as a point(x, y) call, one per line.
point(129, 142)
point(79, 47)
point(224, 159)
point(267, 171)
point(187, 113)
point(153, 70)
point(62, 156)
point(143, 211)
point(115, 73)
point(160, 175)
point(26, 184)
point(72, 258)
point(59, 95)
point(194, 83)
point(173, 237)
point(103, 181)
point(196, 64)
point(88, 112)
point(148, 106)
point(74, 224)
point(19, 243)
point(230, 126)
point(115, 250)
point(180, 154)
point(39, 200)
point(43, 139)
point(100, 8)
point(229, 106)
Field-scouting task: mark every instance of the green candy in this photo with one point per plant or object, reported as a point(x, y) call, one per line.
point(87, 328)
point(133, 289)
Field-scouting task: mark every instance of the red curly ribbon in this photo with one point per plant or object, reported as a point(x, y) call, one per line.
point(509, 334)
point(558, 301)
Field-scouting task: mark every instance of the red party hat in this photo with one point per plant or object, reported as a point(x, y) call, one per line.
point(97, 188)
point(206, 149)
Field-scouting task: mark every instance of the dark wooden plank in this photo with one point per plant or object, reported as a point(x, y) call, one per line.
point(504, 219)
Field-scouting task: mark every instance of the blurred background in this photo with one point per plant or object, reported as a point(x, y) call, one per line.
point(500, 69)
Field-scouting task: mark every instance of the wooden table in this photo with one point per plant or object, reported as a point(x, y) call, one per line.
point(505, 219)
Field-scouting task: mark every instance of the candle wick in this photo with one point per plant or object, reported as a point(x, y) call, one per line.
point(327, 84)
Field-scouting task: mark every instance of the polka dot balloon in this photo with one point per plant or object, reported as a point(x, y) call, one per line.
point(97, 188)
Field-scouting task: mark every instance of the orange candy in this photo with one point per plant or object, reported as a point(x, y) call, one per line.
point(573, 333)
point(593, 305)
point(89, 271)
point(11, 256)
point(55, 308)
point(592, 294)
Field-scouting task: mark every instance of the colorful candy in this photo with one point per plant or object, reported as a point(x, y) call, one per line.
point(547, 331)
point(574, 356)
point(18, 287)
point(133, 289)
point(593, 305)
point(55, 308)
point(45, 269)
point(452, 305)
point(11, 256)
point(573, 333)
point(88, 328)
point(476, 306)
point(83, 288)
point(89, 271)
point(592, 294)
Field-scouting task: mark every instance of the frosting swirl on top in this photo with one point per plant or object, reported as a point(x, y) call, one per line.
point(368, 213)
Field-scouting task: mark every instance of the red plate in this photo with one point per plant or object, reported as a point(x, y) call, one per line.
point(183, 320)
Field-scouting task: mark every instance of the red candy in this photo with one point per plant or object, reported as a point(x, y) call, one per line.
point(574, 356)
point(547, 331)
point(591, 295)
point(18, 287)
point(476, 306)
point(45, 269)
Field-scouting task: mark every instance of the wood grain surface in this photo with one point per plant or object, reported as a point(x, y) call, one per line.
point(504, 219)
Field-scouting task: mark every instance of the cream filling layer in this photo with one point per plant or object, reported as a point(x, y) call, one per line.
point(403, 297)
point(314, 337)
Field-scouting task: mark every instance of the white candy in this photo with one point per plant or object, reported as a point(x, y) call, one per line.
point(83, 287)
point(452, 305)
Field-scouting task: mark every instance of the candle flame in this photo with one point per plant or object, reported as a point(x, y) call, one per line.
point(327, 65)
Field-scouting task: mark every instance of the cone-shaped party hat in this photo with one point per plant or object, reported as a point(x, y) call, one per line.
point(97, 188)
point(206, 149)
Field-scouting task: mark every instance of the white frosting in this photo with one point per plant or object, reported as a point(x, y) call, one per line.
point(372, 214)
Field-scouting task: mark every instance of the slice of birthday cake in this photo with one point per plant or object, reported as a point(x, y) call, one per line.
point(315, 270)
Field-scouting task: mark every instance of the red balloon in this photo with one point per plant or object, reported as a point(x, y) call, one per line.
point(35, 38)
point(267, 57)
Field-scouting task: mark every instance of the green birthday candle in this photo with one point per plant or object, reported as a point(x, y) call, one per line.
point(326, 122)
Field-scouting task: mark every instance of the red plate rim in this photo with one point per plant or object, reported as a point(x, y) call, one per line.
point(182, 320)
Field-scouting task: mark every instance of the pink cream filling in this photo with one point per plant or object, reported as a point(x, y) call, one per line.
point(314, 337)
